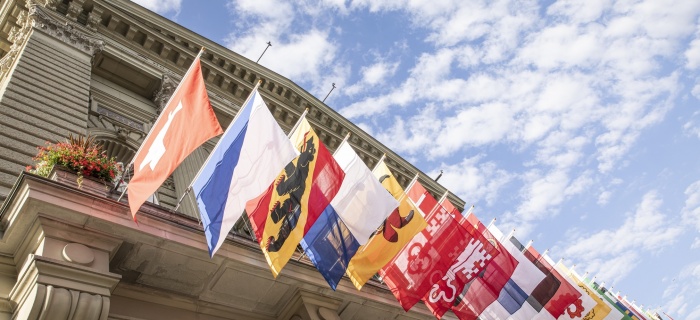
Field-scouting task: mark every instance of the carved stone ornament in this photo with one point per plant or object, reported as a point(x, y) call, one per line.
point(18, 36)
point(64, 31)
point(162, 95)
point(94, 18)
point(74, 9)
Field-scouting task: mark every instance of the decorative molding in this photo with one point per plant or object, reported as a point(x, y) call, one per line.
point(118, 120)
point(150, 62)
point(61, 303)
point(66, 32)
point(94, 18)
point(48, 288)
point(163, 94)
point(18, 36)
point(74, 9)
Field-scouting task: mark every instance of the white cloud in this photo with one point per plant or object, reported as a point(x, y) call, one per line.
point(307, 56)
point(692, 126)
point(678, 295)
point(473, 180)
point(692, 55)
point(691, 210)
point(161, 6)
point(372, 76)
point(613, 253)
point(604, 197)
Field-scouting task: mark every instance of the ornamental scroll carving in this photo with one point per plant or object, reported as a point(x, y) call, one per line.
point(67, 32)
point(18, 36)
point(37, 17)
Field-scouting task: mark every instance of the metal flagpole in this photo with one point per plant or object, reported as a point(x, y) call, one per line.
point(329, 92)
point(131, 163)
point(491, 223)
point(378, 162)
point(219, 142)
point(507, 238)
point(296, 125)
point(345, 140)
point(269, 44)
point(188, 190)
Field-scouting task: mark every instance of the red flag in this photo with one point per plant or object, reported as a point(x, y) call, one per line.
point(185, 123)
point(477, 254)
point(485, 289)
point(428, 257)
point(554, 293)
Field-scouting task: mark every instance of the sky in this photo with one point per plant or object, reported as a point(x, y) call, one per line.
point(576, 122)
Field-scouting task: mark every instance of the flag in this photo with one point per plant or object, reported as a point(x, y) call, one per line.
point(246, 160)
point(486, 288)
point(444, 291)
point(554, 294)
point(631, 308)
point(296, 198)
point(185, 123)
point(626, 314)
point(429, 256)
point(397, 229)
point(601, 310)
point(355, 213)
point(512, 303)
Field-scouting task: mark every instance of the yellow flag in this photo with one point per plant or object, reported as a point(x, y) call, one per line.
point(400, 227)
point(601, 309)
point(297, 197)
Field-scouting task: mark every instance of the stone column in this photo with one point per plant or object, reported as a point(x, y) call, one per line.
point(44, 87)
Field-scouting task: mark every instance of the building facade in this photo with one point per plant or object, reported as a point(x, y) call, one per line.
point(106, 68)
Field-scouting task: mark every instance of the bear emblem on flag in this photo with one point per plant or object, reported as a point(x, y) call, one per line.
point(291, 186)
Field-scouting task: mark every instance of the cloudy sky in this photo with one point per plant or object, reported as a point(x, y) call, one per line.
point(575, 121)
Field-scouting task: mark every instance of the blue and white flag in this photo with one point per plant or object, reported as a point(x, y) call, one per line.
point(248, 157)
point(512, 303)
point(354, 214)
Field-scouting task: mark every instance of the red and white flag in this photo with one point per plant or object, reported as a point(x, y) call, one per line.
point(185, 123)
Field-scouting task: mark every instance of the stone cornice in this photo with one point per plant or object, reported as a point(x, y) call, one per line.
point(230, 74)
point(70, 33)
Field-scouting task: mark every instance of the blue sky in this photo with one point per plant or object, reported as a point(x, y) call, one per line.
point(577, 122)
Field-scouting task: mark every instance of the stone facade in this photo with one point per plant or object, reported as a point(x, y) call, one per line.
point(106, 68)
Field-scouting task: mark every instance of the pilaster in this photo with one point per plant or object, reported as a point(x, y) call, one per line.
point(44, 86)
point(65, 274)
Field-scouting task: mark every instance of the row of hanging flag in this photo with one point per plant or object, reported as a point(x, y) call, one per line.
point(354, 221)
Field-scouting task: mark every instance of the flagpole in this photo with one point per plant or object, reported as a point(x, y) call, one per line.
point(296, 125)
point(133, 159)
point(444, 196)
point(345, 140)
point(380, 161)
point(410, 185)
point(169, 100)
point(189, 188)
point(507, 238)
point(491, 223)
point(219, 142)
